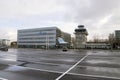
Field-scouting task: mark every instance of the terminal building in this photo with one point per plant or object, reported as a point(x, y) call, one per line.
point(80, 37)
point(97, 45)
point(47, 37)
point(117, 38)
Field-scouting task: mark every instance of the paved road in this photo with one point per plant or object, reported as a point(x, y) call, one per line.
point(22, 73)
point(50, 64)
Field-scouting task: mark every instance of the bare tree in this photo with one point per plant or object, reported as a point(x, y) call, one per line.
point(96, 38)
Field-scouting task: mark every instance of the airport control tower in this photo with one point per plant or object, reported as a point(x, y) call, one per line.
point(80, 37)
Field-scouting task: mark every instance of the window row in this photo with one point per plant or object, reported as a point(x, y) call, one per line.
point(36, 38)
point(39, 34)
point(30, 31)
point(36, 42)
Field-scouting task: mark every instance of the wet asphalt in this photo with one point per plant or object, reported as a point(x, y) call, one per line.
point(31, 64)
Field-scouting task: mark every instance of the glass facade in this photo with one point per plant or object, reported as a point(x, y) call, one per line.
point(117, 34)
point(40, 37)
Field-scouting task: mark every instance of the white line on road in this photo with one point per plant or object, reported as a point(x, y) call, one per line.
point(95, 76)
point(86, 75)
point(71, 67)
point(3, 79)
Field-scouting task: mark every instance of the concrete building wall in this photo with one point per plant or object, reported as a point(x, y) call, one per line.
point(66, 37)
point(80, 40)
point(80, 37)
point(4, 42)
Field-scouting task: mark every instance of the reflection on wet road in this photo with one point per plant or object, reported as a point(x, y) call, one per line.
point(22, 73)
point(37, 64)
point(11, 55)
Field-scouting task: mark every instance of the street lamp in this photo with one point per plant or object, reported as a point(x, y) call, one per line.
point(47, 41)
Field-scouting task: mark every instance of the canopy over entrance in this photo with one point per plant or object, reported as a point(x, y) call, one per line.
point(61, 41)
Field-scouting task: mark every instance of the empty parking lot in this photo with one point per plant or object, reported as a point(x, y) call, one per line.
point(31, 64)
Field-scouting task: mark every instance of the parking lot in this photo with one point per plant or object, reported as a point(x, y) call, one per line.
point(34, 64)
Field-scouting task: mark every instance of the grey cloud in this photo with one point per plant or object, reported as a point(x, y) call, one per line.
point(87, 12)
point(82, 10)
point(91, 12)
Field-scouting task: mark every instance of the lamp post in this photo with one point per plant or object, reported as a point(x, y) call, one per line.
point(47, 41)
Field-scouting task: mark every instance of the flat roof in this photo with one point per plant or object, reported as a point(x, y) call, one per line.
point(39, 28)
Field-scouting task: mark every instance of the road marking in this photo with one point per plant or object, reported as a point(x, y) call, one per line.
point(40, 59)
point(71, 67)
point(87, 75)
point(46, 63)
point(95, 76)
point(44, 70)
point(3, 79)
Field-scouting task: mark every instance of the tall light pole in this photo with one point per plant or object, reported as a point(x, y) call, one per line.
point(46, 41)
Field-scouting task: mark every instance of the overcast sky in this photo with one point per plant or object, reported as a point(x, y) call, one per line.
point(100, 17)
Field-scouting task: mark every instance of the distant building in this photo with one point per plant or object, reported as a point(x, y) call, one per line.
point(66, 37)
point(4, 42)
point(117, 34)
point(14, 44)
point(73, 42)
point(97, 45)
point(117, 38)
point(80, 37)
point(47, 37)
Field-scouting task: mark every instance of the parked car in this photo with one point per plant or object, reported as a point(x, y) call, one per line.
point(4, 48)
point(64, 49)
